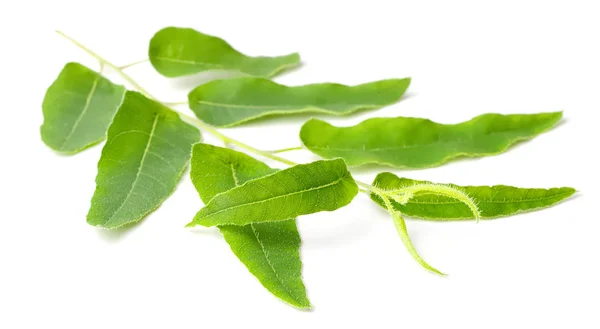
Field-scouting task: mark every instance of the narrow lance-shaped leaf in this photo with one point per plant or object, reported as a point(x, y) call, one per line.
point(270, 251)
point(147, 149)
point(78, 107)
point(420, 143)
point(180, 51)
point(230, 102)
point(492, 201)
point(324, 185)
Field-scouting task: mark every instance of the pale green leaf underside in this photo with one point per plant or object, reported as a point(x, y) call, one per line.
point(229, 102)
point(420, 143)
point(270, 251)
point(324, 185)
point(492, 201)
point(78, 108)
point(180, 51)
point(146, 151)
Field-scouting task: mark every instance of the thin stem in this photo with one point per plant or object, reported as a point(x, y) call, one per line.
point(195, 121)
point(174, 103)
point(133, 64)
point(228, 140)
point(287, 149)
point(400, 225)
point(109, 64)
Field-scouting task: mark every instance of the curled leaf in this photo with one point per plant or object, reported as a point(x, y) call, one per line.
point(420, 143)
point(229, 102)
point(180, 51)
point(400, 225)
point(492, 201)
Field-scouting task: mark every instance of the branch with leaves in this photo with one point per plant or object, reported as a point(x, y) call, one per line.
point(149, 144)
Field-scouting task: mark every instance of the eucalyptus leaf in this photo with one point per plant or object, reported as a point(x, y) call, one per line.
point(78, 108)
point(270, 251)
point(147, 149)
point(181, 51)
point(324, 185)
point(420, 143)
point(229, 102)
point(492, 201)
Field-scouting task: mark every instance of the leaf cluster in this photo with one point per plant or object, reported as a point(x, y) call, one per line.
point(255, 207)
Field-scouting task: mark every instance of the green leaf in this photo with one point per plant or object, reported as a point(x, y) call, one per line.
point(270, 251)
point(421, 143)
point(230, 102)
point(492, 201)
point(324, 185)
point(78, 107)
point(147, 149)
point(178, 51)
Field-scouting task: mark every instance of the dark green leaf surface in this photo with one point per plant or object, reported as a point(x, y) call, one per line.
point(492, 201)
point(420, 143)
point(78, 108)
point(324, 185)
point(230, 102)
point(147, 149)
point(270, 251)
point(179, 51)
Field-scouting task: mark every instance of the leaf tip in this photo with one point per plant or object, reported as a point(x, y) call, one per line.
point(191, 224)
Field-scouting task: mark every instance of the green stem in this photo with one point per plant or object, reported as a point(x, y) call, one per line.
point(133, 64)
point(174, 103)
point(195, 121)
point(287, 149)
point(228, 140)
point(400, 225)
point(109, 64)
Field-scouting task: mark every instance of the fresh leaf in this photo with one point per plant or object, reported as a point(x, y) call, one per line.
point(78, 108)
point(324, 185)
point(147, 149)
point(230, 102)
point(270, 251)
point(178, 51)
point(420, 143)
point(492, 201)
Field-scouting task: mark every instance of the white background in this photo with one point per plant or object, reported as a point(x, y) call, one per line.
point(465, 57)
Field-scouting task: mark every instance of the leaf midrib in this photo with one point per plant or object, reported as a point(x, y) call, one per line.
point(438, 142)
point(262, 247)
point(137, 175)
point(189, 62)
point(272, 198)
point(282, 106)
point(497, 202)
point(88, 101)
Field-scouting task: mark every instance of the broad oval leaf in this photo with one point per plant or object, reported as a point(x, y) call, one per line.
point(324, 185)
point(420, 143)
point(229, 102)
point(492, 201)
point(147, 149)
point(78, 108)
point(180, 51)
point(270, 251)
